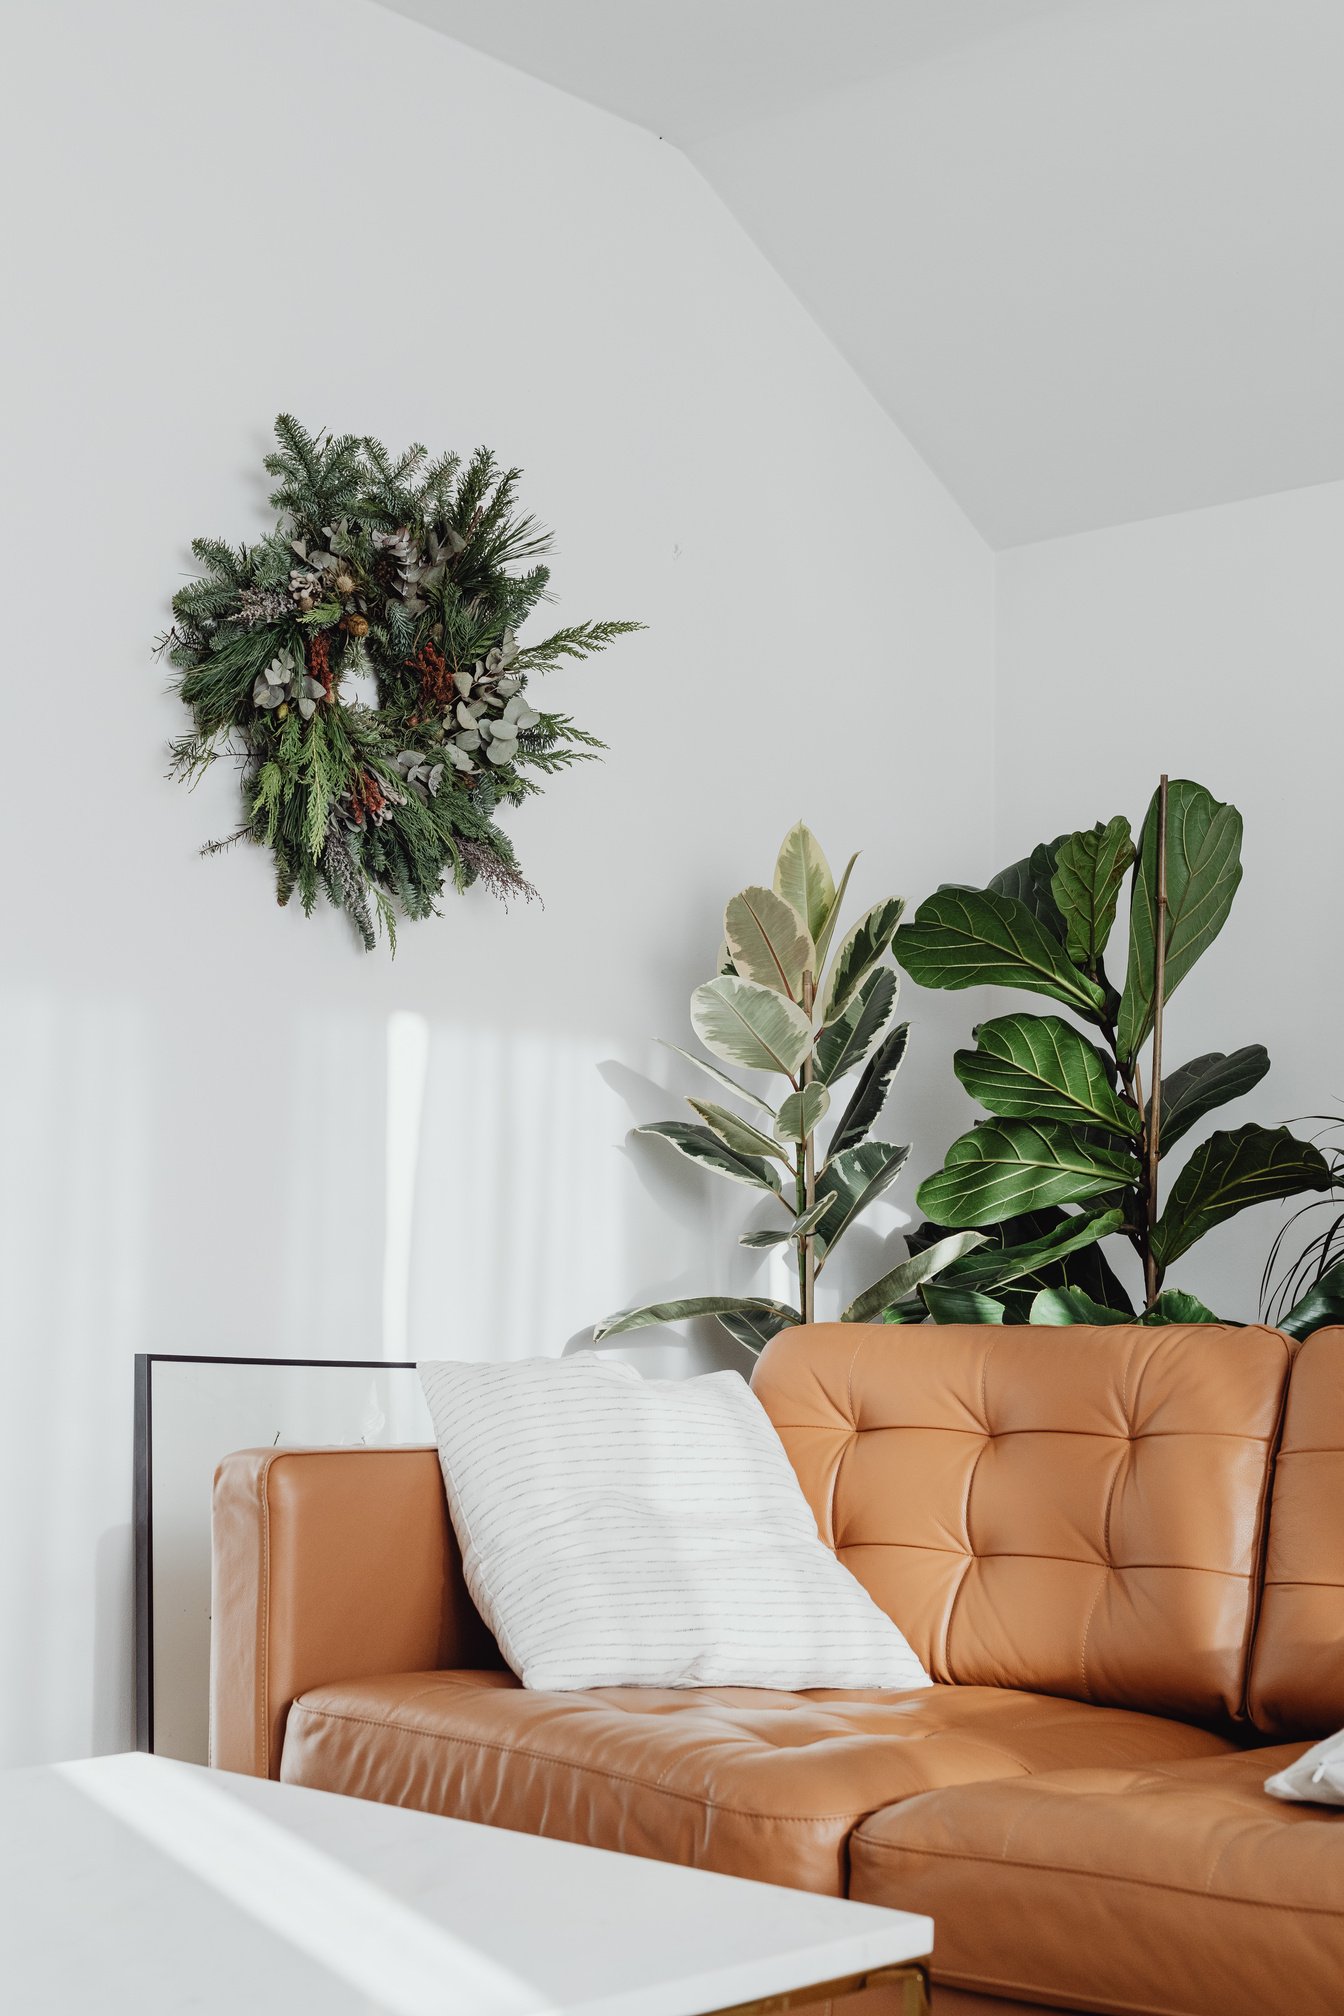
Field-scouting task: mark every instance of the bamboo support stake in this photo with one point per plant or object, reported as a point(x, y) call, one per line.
point(1159, 992)
point(808, 1270)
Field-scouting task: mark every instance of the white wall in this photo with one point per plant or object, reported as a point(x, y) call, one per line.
point(224, 1129)
point(1208, 645)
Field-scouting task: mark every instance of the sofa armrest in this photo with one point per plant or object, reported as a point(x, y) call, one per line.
point(327, 1564)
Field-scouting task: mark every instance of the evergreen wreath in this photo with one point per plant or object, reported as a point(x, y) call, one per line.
point(420, 573)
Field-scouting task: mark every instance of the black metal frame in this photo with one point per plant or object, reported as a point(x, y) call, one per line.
point(143, 1518)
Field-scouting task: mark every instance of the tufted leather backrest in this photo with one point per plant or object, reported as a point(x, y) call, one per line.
point(1075, 1511)
point(1297, 1665)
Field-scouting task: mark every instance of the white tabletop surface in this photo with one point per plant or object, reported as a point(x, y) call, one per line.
point(138, 1887)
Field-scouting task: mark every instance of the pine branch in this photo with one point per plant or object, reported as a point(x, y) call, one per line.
point(578, 640)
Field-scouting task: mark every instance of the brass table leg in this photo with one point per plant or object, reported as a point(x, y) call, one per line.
point(911, 1979)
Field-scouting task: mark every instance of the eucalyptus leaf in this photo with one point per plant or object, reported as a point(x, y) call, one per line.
point(1090, 870)
point(903, 1280)
point(768, 941)
point(1041, 1067)
point(721, 1077)
point(858, 1176)
point(1006, 1166)
point(693, 1305)
point(1227, 1173)
point(805, 1222)
point(842, 1047)
point(977, 938)
point(803, 878)
point(961, 1305)
point(1203, 871)
point(800, 1112)
point(1204, 1083)
point(735, 1132)
point(870, 1094)
point(747, 1024)
point(697, 1144)
point(858, 953)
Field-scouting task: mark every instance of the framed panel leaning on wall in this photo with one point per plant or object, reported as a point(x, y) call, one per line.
point(190, 1412)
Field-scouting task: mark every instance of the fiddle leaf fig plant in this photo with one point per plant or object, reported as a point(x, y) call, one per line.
point(782, 1003)
point(1071, 1152)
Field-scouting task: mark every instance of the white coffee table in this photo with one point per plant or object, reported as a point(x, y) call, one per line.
point(137, 1887)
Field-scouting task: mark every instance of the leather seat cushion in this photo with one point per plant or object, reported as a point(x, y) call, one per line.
point(1178, 1890)
point(747, 1781)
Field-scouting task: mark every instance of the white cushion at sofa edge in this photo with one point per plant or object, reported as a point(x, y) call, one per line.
point(618, 1531)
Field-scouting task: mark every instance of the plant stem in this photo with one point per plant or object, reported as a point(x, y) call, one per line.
point(1152, 1281)
point(807, 1272)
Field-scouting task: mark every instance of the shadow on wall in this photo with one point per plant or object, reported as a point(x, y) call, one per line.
point(342, 1183)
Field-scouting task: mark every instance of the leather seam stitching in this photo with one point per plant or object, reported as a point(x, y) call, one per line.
point(265, 1632)
point(994, 1987)
point(570, 1764)
point(1001, 1434)
point(1080, 1561)
point(871, 1845)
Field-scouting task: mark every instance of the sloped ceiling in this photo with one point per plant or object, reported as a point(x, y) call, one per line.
point(1086, 253)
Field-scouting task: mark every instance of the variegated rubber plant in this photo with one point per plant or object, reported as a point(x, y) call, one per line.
point(781, 1003)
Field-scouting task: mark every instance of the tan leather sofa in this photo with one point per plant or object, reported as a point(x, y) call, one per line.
point(1119, 1551)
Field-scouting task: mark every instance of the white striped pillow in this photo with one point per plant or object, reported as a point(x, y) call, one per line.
point(628, 1532)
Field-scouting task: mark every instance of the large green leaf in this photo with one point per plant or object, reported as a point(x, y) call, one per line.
point(858, 1176)
point(1005, 1166)
point(909, 1275)
point(1070, 1305)
point(1205, 1082)
point(859, 951)
point(699, 1145)
point(1029, 882)
point(977, 938)
point(870, 1093)
point(721, 1077)
point(801, 1112)
point(1203, 870)
point(803, 878)
point(960, 1305)
point(1039, 1067)
point(1090, 870)
point(994, 1267)
point(1059, 1262)
point(693, 1305)
point(825, 932)
point(1067, 1306)
point(745, 1023)
point(735, 1132)
point(1174, 1305)
point(754, 1326)
point(1322, 1303)
point(842, 1047)
point(805, 1222)
point(769, 942)
point(1229, 1172)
